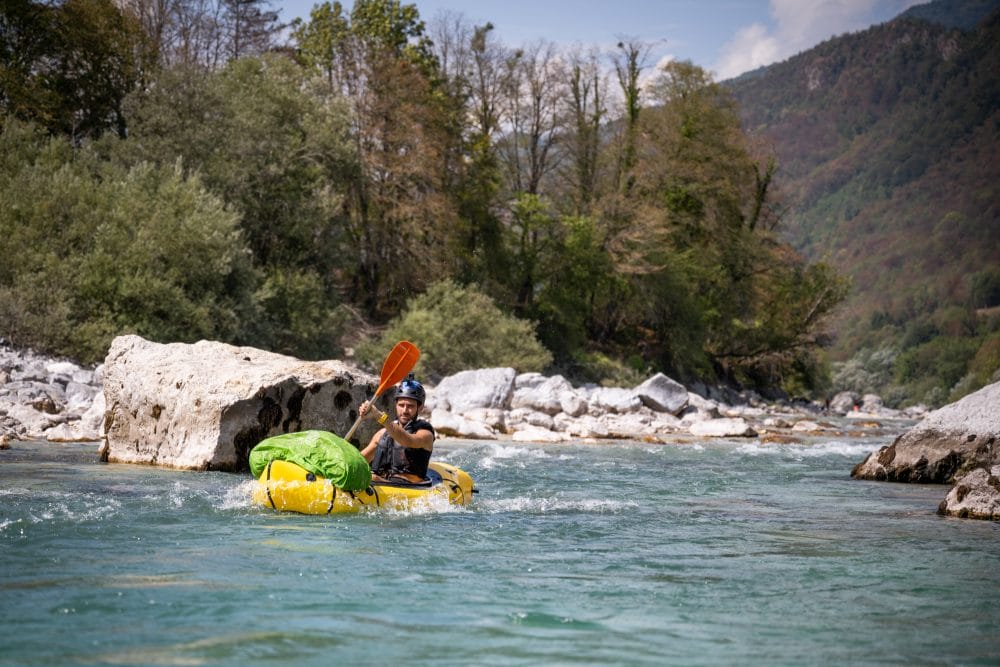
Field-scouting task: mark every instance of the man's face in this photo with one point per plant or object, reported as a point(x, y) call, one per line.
point(406, 410)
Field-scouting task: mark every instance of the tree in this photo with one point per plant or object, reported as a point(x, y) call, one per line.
point(69, 66)
point(535, 90)
point(97, 249)
point(399, 215)
point(460, 328)
point(586, 114)
point(472, 70)
point(279, 152)
point(629, 63)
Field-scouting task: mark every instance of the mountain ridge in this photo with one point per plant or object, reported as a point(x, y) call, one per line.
point(888, 144)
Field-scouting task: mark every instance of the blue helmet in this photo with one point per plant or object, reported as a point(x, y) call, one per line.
point(410, 388)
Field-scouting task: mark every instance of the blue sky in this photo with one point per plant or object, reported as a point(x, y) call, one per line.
point(728, 37)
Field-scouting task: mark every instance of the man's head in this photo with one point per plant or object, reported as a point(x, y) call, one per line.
point(410, 396)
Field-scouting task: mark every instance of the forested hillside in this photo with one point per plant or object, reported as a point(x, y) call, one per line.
point(192, 169)
point(888, 144)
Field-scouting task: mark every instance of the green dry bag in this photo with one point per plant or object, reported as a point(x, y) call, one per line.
point(319, 452)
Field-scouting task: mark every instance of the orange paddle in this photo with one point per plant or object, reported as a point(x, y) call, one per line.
point(399, 362)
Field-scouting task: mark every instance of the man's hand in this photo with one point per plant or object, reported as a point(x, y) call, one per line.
point(369, 410)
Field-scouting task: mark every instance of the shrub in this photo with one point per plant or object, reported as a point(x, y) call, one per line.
point(94, 250)
point(460, 328)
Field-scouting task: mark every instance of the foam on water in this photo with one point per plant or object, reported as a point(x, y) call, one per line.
point(854, 450)
point(555, 504)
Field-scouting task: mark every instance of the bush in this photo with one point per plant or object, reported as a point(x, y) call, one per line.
point(94, 250)
point(459, 328)
point(866, 372)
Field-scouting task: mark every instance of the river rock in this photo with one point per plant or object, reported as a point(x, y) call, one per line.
point(726, 427)
point(949, 442)
point(975, 495)
point(544, 396)
point(448, 423)
point(538, 434)
point(467, 390)
point(613, 399)
point(844, 402)
point(205, 406)
point(662, 394)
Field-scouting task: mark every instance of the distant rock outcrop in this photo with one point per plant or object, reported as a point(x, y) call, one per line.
point(204, 406)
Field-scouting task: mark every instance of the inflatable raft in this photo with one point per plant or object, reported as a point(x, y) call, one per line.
point(286, 486)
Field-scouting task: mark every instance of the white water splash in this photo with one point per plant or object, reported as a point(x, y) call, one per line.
point(546, 505)
point(854, 450)
point(512, 455)
point(239, 496)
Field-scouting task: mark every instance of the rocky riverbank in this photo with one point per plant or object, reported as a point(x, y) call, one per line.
point(203, 406)
point(43, 398)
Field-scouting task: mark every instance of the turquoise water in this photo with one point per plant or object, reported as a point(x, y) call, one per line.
point(615, 554)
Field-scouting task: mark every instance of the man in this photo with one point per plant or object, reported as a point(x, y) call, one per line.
point(401, 449)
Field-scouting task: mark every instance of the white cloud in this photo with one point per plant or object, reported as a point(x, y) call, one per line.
point(750, 48)
point(799, 25)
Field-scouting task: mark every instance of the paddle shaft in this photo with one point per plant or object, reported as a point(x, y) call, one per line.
point(357, 422)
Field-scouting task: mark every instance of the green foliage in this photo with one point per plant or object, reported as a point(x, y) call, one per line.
point(606, 371)
point(984, 288)
point(930, 370)
point(286, 162)
point(460, 328)
point(96, 250)
point(290, 200)
point(69, 65)
point(868, 371)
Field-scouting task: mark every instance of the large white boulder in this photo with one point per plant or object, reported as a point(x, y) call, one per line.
point(467, 390)
point(205, 406)
point(614, 399)
point(948, 443)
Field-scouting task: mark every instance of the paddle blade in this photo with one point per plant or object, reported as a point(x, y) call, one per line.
point(398, 364)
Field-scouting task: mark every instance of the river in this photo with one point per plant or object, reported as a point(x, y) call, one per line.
point(625, 553)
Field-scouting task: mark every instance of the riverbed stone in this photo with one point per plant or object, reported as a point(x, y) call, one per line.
point(844, 402)
point(662, 394)
point(726, 427)
point(948, 443)
point(448, 423)
point(976, 495)
point(483, 388)
point(613, 399)
point(204, 406)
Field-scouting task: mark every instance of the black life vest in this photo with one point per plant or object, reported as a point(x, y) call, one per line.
point(392, 458)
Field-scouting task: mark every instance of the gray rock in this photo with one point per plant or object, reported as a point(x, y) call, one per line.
point(467, 390)
point(447, 423)
point(614, 399)
point(572, 403)
point(727, 427)
point(948, 443)
point(204, 406)
point(541, 396)
point(975, 495)
point(538, 434)
point(662, 394)
point(844, 402)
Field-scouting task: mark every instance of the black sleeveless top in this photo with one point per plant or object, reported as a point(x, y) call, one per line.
point(392, 458)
